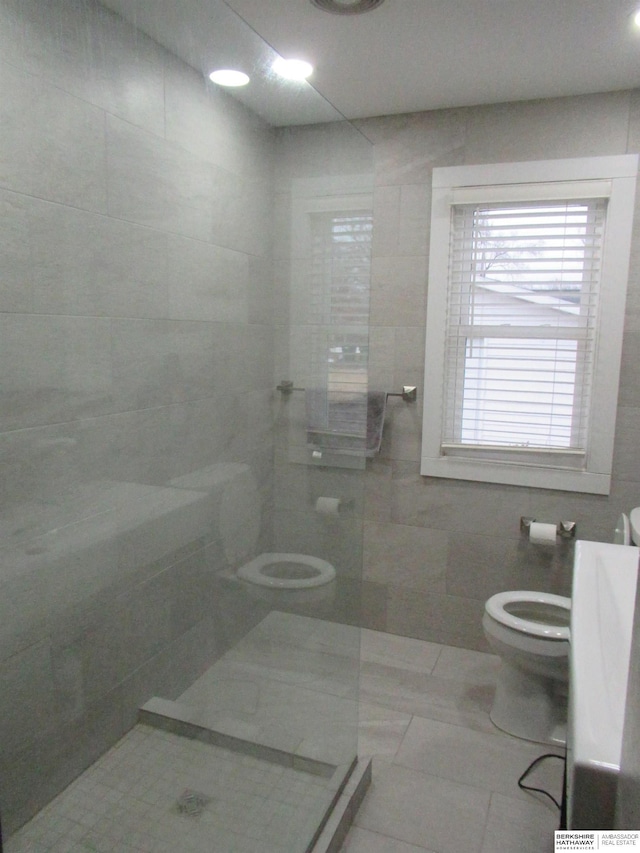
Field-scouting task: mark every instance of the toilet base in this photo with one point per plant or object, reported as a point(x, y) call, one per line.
point(529, 706)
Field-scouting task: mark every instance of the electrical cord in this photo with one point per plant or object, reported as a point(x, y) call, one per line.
point(540, 790)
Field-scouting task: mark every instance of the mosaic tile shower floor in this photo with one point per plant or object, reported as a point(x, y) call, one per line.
point(157, 792)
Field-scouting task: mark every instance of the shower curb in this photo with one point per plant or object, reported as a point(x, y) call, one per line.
point(182, 720)
point(345, 809)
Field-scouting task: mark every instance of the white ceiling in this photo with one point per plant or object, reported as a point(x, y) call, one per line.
point(404, 56)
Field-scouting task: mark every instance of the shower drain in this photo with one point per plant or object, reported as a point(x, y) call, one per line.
point(192, 803)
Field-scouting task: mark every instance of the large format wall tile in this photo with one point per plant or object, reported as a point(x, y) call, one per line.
point(585, 126)
point(155, 183)
point(207, 282)
point(52, 145)
point(16, 283)
point(136, 348)
point(91, 264)
point(626, 463)
point(90, 52)
point(408, 147)
point(398, 293)
point(207, 121)
point(55, 369)
point(486, 552)
point(456, 505)
point(451, 619)
point(413, 557)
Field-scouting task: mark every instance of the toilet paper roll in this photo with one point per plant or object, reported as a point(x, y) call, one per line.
point(542, 534)
point(328, 506)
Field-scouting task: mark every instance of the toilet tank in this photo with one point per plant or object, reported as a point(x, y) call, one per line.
point(235, 506)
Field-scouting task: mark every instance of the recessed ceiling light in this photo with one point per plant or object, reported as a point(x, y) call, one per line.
point(292, 69)
point(347, 7)
point(636, 18)
point(229, 77)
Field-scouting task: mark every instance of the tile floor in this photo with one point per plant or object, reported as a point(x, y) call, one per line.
point(290, 683)
point(444, 778)
point(157, 791)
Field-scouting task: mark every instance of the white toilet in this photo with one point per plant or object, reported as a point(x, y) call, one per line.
point(291, 578)
point(627, 530)
point(530, 632)
point(287, 571)
point(278, 579)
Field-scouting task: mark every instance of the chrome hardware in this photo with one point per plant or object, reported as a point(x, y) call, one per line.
point(567, 529)
point(286, 387)
point(564, 529)
point(409, 393)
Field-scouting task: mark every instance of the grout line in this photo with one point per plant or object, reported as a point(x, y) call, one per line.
point(399, 747)
point(486, 823)
point(435, 663)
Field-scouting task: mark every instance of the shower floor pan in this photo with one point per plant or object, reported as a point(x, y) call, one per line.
point(160, 791)
point(257, 756)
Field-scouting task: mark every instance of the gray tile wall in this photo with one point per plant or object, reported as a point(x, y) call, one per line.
point(136, 345)
point(434, 550)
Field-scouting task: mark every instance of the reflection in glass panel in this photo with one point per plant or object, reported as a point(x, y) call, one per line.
point(151, 694)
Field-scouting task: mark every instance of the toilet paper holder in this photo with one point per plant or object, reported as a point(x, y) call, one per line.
point(564, 529)
point(333, 506)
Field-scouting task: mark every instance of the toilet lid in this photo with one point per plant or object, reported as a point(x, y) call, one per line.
point(622, 533)
point(497, 606)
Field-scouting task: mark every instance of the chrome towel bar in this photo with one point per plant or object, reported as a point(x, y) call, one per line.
point(409, 393)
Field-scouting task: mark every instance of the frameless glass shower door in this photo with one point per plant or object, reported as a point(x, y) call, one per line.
point(169, 255)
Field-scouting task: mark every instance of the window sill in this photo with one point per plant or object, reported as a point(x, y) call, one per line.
point(538, 477)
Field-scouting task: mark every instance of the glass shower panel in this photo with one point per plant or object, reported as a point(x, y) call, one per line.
point(323, 272)
point(150, 303)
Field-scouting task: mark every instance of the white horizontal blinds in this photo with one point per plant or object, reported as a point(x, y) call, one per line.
point(340, 267)
point(521, 324)
point(340, 271)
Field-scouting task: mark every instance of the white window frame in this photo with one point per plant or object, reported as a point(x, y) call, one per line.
point(524, 182)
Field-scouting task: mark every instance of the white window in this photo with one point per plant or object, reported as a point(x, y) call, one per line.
point(331, 235)
point(527, 283)
point(339, 273)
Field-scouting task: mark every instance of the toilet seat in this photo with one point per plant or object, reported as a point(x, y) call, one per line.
point(497, 604)
point(257, 571)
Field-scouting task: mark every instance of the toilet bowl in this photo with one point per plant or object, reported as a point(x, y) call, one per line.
point(530, 633)
point(287, 571)
point(292, 578)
